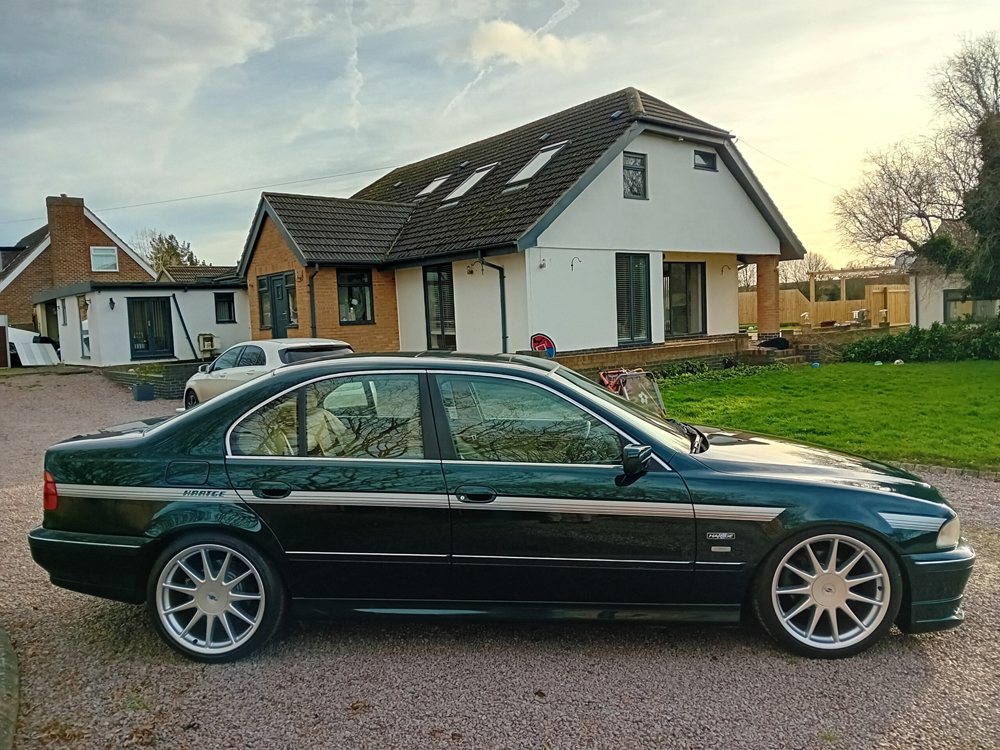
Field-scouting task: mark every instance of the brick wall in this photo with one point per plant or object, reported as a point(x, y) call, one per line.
point(15, 300)
point(768, 296)
point(272, 255)
point(168, 379)
point(715, 351)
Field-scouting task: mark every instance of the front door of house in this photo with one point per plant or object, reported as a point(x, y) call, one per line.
point(150, 325)
point(279, 306)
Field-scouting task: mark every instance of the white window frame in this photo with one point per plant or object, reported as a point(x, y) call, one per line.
point(433, 185)
point(471, 181)
point(103, 270)
point(537, 163)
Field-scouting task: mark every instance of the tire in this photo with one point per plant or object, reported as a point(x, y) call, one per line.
point(190, 399)
point(243, 616)
point(837, 623)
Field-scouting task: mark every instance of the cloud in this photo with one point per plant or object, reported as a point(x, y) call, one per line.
point(506, 41)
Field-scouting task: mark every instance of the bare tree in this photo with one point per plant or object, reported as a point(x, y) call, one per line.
point(747, 277)
point(162, 250)
point(966, 86)
point(798, 270)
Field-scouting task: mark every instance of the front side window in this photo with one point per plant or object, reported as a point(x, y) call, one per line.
point(104, 259)
point(272, 430)
point(496, 419)
point(354, 295)
point(225, 307)
point(634, 175)
point(957, 306)
point(227, 359)
point(632, 296)
point(439, 295)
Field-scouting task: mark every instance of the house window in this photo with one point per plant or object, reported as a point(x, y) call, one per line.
point(439, 296)
point(354, 294)
point(957, 306)
point(225, 307)
point(433, 185)
point(150, 327)
point(683, 299)
point(104, 259)
point(82, 307)
point(634, 175)
point(264, 302)
point(538, 161)
point(292, 300)
point(632, 291)
point(705, 160)
point(62, 307)
point(470, 182)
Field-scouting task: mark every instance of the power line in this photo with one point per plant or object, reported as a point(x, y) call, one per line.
point(221, 192)
point(789, 166)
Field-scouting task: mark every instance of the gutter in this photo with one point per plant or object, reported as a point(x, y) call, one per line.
point(312, 298)
point(503, 298)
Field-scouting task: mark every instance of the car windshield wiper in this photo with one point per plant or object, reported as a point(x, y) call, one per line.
point(699, 442)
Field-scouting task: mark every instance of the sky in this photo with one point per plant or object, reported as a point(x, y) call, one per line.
point(126, 102)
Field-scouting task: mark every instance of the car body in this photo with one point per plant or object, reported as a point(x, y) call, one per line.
point(485, 487)
point(246, 361)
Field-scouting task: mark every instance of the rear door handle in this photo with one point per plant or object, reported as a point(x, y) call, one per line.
point(271, 490)
point(475, 494)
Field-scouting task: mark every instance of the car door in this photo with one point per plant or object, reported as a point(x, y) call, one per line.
point(215, 382)
point(541, 510)
point(345, 471)
point(251, 363)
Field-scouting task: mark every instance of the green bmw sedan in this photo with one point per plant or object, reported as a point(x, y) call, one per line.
point(481, 487)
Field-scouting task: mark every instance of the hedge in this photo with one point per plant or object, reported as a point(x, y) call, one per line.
point(939, 343)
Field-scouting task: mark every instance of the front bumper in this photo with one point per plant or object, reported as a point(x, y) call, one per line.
point(937, 583)
point(113, 567)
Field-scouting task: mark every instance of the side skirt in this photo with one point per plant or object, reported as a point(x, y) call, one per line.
point(350, 609)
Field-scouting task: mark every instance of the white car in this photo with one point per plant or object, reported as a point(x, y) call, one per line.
point(246, 361)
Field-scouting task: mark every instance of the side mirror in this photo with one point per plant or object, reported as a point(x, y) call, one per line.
point(204, 368)
point(635, 458)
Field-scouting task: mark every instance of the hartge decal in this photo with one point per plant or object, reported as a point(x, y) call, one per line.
point(720, 535)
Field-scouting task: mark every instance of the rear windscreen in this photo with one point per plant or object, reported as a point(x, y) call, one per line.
point(290, 356)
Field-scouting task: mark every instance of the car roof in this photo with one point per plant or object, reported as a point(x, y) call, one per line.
point(431, 360)
point(288, 343)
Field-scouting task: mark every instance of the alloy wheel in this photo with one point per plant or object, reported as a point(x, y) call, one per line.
point(831, 591)
point(210, 599)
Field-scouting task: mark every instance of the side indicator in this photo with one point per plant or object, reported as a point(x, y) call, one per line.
point(50, 498)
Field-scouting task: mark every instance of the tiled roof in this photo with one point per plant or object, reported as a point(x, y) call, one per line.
point(193, 274)
point(329, 230)
point(489, 214)
point(23, 247)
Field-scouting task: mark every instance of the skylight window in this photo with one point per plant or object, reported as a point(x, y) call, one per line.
point(433, 185)
point(470, 182)
point(538, 161)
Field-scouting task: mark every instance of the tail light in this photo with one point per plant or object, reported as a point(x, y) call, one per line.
point(50, 499)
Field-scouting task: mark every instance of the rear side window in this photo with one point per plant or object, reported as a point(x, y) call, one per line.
point(272, 430)
point(290, 356)
point(253, 356)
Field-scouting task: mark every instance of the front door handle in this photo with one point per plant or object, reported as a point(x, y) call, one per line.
point(271, 490)
point(475, 494)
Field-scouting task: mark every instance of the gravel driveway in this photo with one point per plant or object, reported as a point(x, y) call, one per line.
point(94, 674)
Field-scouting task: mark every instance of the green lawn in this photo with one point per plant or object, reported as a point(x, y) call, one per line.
point(944, 413)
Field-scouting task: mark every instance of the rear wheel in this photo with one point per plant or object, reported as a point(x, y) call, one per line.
point(828, 594)
point(190, 399)
point(214, 598)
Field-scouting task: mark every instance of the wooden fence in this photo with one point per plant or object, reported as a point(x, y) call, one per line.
point(792, 303)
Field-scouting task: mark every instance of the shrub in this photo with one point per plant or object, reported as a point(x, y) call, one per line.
point(689, 372)
point(939, 343)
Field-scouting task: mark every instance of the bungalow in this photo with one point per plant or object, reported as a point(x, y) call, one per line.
point(617, 224)
point(939, 297)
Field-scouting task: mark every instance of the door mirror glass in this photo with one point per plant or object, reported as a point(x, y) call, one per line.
point(635, 459)
point(203, 368)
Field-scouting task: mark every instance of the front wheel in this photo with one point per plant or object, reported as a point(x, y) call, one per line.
point(214, 598)
point(828, 594)
point(190, 399)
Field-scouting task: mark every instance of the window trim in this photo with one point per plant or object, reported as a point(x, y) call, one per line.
point(430, 435)
point(477, 176)
point(645, 176)
point(446, 439)
point(103, 270)
point(433, 185)
point(713, 157)
point(552, 149)
point(370, 286)
point(232, 300)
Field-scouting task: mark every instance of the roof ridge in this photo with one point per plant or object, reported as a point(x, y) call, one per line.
point(634, 97)
point(338, 198)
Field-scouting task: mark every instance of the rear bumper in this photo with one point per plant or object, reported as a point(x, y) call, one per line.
point(113, 567)
point(937, 584)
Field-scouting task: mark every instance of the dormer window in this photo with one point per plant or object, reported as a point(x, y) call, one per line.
point(433, 185)
point(538, 161)
point(470, 182)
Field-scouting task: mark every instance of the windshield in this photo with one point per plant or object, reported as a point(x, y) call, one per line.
point(669, 433)
point(291, 356)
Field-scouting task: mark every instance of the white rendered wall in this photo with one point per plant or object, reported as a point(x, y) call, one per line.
point(410, 304)
point(927, 296)
point(478, 326)
point(688, 210)
point(109, 332)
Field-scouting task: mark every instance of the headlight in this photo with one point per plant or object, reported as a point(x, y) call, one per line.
point(949, 533)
